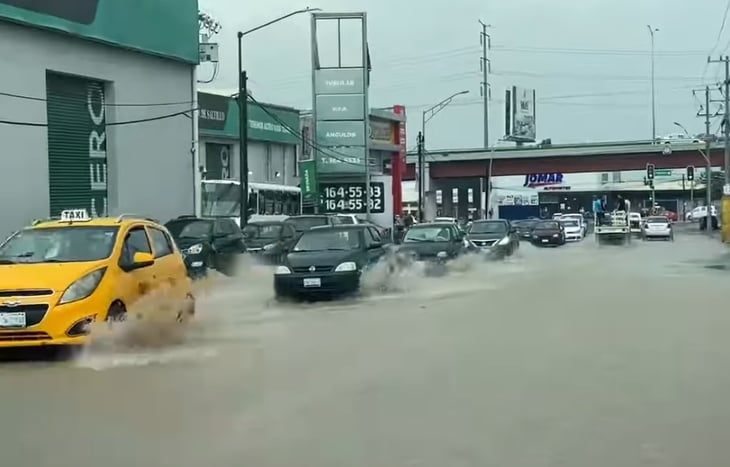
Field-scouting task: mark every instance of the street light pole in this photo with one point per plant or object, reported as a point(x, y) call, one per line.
point(653, 95)
point(427, 115)
point(243, 113)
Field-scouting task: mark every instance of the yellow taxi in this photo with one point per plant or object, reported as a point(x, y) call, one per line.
point(57, 277)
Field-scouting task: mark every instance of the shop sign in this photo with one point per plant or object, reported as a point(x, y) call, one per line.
point(544, 179)
point(381, 131)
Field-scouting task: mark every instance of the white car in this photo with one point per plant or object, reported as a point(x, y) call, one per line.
point(573, 229)
point(576, 217)
point(657, 227)
point(699, 212)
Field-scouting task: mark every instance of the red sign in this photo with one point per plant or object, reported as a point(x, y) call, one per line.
point(399, 162)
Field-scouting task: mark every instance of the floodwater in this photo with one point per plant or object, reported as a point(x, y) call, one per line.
point(571, 356)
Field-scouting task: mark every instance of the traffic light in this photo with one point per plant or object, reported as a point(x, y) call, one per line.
point(650, 171)
point(690, 173)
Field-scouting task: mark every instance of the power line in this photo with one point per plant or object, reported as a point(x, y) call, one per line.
point(148, 104)
point(590, 51)
point(327, 151)
point(127, 122)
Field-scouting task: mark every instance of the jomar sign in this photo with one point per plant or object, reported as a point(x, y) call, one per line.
point(543, 179)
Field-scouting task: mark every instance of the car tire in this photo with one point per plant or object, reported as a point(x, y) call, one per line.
point(117, 312)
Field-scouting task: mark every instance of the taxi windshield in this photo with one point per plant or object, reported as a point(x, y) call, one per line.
point(434, 233)
point(321, 240)
point(59, 245)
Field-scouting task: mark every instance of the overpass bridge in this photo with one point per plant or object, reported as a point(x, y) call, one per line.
point(568, 158)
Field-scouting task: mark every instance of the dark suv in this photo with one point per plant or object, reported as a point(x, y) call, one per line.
point(205, 243)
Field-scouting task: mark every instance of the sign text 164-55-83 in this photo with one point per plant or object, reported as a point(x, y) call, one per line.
point(349, 197)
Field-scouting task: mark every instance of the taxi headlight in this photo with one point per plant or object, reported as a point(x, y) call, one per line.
point(195, 249)
point(347, 266)
point(504, 241)
point(83, 287)
point(282, 270)
point(442, 254)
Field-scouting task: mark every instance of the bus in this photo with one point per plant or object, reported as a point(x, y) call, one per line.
point(266, 201)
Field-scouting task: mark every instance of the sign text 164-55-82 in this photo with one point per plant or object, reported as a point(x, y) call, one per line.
point(350, 197)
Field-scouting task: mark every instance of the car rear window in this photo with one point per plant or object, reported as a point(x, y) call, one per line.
point(302, 224)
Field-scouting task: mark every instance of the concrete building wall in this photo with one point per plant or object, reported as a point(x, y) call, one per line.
point(150, 164)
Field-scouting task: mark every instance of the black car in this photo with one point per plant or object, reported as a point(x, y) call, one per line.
point(437, 242)
point(498, 238)
point(205, 243)
point(548, 232)
point(328, 261)
point(306, 222)
point(269, 240)
point(524, 227)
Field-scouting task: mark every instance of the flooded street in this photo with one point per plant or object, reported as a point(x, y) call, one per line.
point(572, 356)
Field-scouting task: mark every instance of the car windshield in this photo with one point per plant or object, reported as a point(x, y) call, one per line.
point(262, 230)
point(430, 233)
point(328, 239)
point(59, 245)
point(570, 223)
point(190, 228)
point(657, 220)
point(302, 224)
point(547, 226)
point(488, 227)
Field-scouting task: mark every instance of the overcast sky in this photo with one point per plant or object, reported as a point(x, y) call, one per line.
point(588, 60)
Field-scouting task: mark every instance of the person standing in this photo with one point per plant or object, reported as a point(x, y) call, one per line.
point(598, 210)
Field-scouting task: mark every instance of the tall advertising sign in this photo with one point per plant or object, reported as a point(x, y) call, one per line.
point(340, 96)
point(520, 115)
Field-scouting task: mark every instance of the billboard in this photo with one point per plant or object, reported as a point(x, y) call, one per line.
point(520, 115)
point(340, 99)
point(168, 28)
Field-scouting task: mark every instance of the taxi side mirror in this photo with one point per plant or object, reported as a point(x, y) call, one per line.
point(142, 260)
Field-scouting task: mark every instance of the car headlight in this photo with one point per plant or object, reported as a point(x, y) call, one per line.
point(269, 246)
point(347, 266)
point(556, 235)
point(195, 249)
point(83, 287)
point(504, 241)
point(442, 254)
point(282, 270)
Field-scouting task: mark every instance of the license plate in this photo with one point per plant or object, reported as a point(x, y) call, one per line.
point(544, 240)
point(313, 282)
point(12, 320)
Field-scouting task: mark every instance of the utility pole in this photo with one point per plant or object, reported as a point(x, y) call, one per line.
point(652, 30)
point(486, 66)
point(708, 173)
point(421, 170)
point(726, 118)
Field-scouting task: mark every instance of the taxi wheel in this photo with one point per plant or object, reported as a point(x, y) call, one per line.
point(117, 312)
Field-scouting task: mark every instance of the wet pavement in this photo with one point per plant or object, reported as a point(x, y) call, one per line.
point(571, 356)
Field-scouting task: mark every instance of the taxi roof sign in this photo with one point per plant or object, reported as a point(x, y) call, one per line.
point(75, 215)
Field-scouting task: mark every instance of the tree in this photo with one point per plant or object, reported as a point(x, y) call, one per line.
point(717, 180)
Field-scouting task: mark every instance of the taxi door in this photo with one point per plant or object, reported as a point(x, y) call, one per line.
point(133, 283)
point(169, 268)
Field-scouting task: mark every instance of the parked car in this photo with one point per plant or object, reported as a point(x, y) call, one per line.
point(699, 212)
point(328, 261)
point(207, 243)
point(498, 238)
point(269, 240)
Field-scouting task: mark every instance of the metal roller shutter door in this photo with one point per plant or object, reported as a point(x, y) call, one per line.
point(77, 156)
